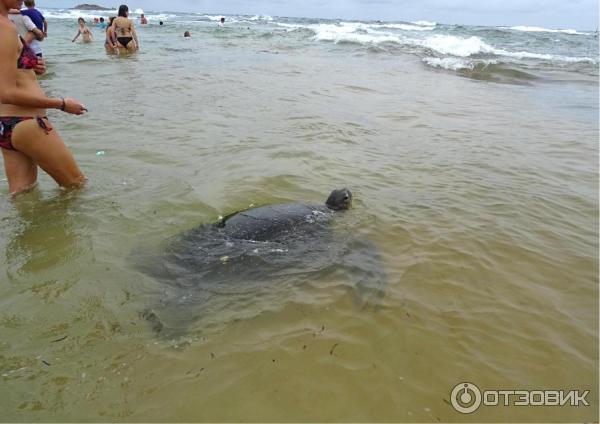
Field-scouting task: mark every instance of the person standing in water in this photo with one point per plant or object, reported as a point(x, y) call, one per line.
point(124, 29)
point(110, 42)
point(28, 30)
point(143, 20)
point(36, 16)
point(27, 138)
point(84, 31)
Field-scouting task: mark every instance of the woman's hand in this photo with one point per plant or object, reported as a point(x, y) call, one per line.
point(40, 68)
point(73, 107)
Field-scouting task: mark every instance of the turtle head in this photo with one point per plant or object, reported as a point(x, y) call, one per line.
point(339, 199)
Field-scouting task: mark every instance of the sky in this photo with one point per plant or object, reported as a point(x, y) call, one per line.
point(575, 14)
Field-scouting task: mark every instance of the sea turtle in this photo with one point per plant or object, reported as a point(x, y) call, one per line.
point(258, 253)
point(274, 222)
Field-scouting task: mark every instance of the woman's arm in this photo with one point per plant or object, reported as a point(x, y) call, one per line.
point(39, 35)
point(110, 36)
point(77, 36)
point(33, 32)
point(29, 37)
point(10, 92)
point(134, 35)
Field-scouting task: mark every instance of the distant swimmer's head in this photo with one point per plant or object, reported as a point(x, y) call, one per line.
point(29, 3)
point(222, 20)
point(339, 199)
point(160, 23)
point(187, 34)
point(81, 21)
point(101, 19)
point(123, 10)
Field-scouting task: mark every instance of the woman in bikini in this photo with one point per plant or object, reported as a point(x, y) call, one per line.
point(110, 44)
point(84, 31)
point(27, 138)
point(124, 29)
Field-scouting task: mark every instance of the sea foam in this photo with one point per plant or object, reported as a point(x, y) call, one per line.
point(539, 29)
point(456, 46)
point(406, 27)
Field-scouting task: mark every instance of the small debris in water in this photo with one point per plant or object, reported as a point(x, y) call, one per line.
point(333, 348)
point(304, 347)
point(59, 340)
point(100, 153)
point(224, 259)
point(212, 355)
point(45, 363)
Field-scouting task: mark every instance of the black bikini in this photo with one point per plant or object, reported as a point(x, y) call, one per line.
point(124, 40)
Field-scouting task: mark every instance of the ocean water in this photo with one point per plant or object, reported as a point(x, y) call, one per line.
point(472, 153)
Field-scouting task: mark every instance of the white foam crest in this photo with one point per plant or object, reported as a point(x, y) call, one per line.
point(465, 47)
point(75, 14)
point(138, 11)
point(347, 32)
point(213, 17)
point(540, 29)
point(160, 16)
point(424, 23)
point(406, 27)
point(456, 46)
point(450, 63)
point(542, 56)
point(289, 27)
point(349, 26)
point(261, 18)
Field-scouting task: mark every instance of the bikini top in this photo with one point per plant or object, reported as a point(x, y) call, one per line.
point(27, 59)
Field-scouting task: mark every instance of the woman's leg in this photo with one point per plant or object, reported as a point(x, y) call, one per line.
point(21, 171)
point(49, 151)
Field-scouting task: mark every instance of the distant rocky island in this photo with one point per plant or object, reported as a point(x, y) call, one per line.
point(86, 6)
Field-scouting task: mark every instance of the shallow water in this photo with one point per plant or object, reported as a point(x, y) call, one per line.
point(481, 198)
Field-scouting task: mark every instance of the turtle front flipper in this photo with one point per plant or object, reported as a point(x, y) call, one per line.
point(365, 266)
